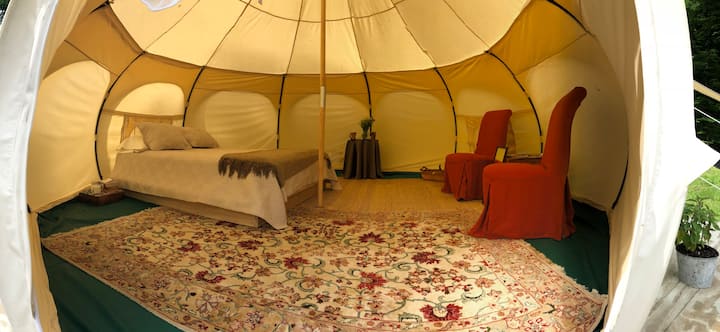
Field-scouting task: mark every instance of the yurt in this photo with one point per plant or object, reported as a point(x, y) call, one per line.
point(256, 74)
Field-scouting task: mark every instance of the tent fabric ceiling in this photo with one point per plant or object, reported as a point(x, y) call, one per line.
point(277, 37)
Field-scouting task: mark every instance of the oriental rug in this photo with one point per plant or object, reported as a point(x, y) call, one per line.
point(330, 271)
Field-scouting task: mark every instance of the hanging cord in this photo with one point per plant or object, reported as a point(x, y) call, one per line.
point(707, 115)
point(710, 183)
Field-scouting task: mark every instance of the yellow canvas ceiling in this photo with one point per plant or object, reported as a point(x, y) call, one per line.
point(426, 70)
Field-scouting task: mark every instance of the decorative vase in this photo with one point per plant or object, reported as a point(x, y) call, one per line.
point(365, 133)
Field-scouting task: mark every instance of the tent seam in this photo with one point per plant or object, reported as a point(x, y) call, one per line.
point(172, 26)
point(207, 63)
point(415, 39)
point(487, 45)
point(297, 28)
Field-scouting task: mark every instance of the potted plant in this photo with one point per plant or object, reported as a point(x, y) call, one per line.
point(697, 260)
point(366, 124)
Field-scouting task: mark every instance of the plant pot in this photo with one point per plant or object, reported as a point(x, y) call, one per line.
point(696, 272)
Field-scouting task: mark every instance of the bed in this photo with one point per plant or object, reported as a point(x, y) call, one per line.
point(186, 177)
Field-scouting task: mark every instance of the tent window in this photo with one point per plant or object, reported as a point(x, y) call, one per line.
point(158, 5)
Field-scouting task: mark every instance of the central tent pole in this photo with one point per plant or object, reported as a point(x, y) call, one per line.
point(321, 144)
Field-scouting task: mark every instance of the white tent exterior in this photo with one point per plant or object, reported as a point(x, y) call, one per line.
point(246, 71)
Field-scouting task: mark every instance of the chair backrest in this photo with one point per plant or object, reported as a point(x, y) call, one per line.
point(556, 157)
point(493, 132)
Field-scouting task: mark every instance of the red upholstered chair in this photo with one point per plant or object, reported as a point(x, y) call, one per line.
point(463, 171)
point(525, 201)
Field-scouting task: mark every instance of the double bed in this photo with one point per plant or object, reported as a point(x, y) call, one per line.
point(180, 167)
point(189, 180)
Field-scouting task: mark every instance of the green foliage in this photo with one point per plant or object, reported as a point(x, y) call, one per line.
point(365, 124)
point(696, 223)
point(703, 16)
point(4, 4)
point(700, 188)
point(701, 212)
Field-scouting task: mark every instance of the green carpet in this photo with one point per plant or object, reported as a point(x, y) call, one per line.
point(93, 306)
point(585, 254)
point(97, 307)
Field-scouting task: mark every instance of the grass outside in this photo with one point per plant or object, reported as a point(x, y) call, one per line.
point(700, 188)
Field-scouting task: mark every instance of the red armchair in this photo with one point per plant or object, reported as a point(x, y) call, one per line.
point(525, 201)
point(463, 171)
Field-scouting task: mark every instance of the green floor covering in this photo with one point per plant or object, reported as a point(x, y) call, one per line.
point(86, 304)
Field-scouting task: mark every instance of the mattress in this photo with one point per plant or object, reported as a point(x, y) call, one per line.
point(192, 176)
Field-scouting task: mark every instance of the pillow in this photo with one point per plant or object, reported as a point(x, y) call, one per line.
point(199, 138)
point(133, 143)
point(163, 136)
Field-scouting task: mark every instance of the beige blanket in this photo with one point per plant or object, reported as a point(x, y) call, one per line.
point(282, 163)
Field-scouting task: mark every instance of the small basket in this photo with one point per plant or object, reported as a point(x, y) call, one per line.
point(432, 174)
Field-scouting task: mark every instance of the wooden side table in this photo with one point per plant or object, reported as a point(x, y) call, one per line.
point(362, 159)
point(108, 195)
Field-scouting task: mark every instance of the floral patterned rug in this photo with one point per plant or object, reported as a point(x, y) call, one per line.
point(330, 271)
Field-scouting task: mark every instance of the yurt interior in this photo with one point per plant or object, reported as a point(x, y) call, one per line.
point(202, 165)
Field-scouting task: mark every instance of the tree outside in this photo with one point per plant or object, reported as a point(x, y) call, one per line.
point(703, 16)
point(3, 7)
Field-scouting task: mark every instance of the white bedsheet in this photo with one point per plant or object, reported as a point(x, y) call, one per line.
point(192, 175)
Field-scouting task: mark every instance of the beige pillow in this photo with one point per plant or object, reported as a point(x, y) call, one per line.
point(163, 136)
point(199, 138)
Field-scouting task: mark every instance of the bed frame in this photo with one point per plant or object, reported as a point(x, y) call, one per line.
point(219, 213)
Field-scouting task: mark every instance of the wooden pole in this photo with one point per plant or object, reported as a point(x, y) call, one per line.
point(321, 143)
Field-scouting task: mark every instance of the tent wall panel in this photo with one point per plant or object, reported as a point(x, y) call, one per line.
point(66, 14)
point(300, 121)
point(540, 31)
point(155, 99)
point(415, 129)
point(346, 105)
point(101, 37)
point(65, 55)
point(61, 159)
point(407, 107)
point(225, 80)
point(151, 69)
point(483, 84)
point(572, 6)
point(237, 119)
point(213, 80)
point(600, 134)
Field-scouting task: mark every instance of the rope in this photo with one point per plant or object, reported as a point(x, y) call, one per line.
point(710, 183)
point(707, 115)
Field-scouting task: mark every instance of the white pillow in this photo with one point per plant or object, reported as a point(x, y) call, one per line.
point(133, 143)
